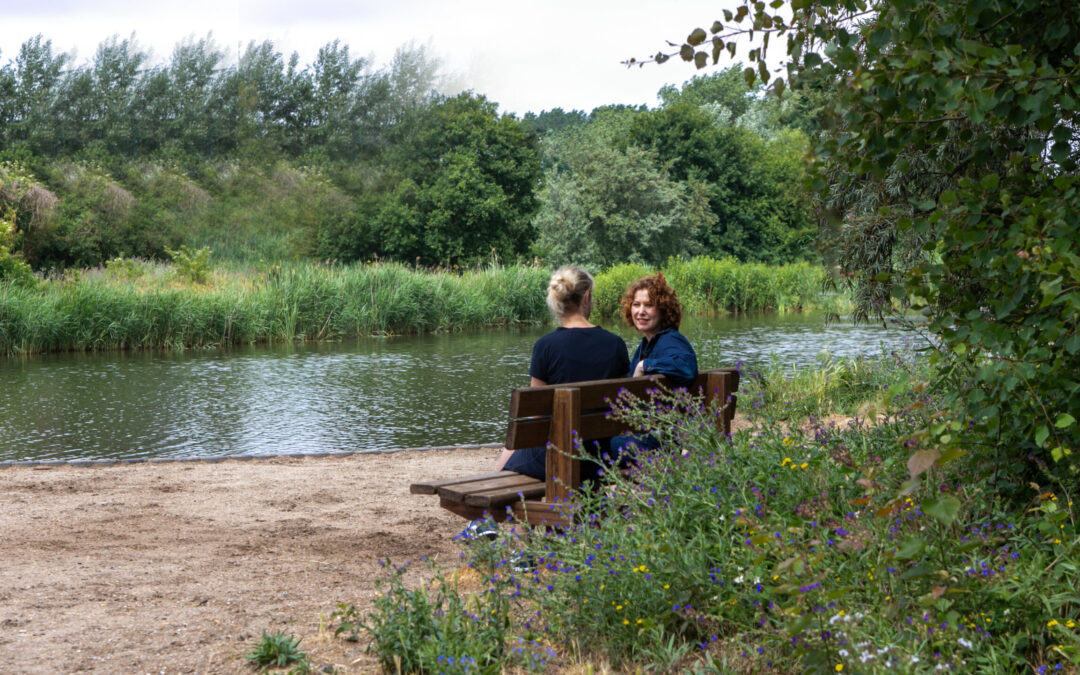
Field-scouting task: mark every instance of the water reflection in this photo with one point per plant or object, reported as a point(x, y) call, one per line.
point(373, 393)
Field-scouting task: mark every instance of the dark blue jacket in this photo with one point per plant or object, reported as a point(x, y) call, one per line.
point(668, 353)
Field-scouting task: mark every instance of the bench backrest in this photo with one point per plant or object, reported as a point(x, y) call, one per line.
point(552, 413)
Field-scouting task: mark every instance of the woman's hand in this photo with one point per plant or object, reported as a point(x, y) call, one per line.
point(639, 369)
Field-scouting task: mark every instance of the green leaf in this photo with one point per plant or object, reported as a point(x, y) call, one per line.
point(944, 509)
point(1060, 151)
point(990, 181)
point(700, 60)
point(879, 38)
point(716, 27)
point(697, 36)
point(1041, 435)
point(686, 52)
point(1065, 420)
point(910, 548)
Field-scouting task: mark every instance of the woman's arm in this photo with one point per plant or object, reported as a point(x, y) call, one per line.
point(672, 356)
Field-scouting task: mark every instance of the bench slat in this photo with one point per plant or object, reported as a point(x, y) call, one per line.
point(537, 401)
point(497, 498)
point(532, 433)
point(485, 489)
point(432, 487)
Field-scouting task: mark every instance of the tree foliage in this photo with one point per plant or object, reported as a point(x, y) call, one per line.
point(752, 184)
point(465, 185)
point(607, 206)
point(949, 167)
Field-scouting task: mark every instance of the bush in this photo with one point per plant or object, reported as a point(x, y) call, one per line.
point(191, 265)
point(13, 269)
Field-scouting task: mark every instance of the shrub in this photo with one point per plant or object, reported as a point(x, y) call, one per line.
point(192, 265)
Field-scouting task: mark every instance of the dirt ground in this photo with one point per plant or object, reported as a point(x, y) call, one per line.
point(180, 567)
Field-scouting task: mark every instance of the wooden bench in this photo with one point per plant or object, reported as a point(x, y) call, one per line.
point(556, 414)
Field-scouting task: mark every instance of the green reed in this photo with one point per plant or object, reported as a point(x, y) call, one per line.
point(718, 286)
point(134, 304)
point(152, 307)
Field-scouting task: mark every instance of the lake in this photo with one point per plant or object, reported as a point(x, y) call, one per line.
point(373, 393)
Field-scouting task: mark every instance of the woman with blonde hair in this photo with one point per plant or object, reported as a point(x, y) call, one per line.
point(575, 351)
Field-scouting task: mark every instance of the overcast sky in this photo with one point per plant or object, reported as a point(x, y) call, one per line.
point(525, 55)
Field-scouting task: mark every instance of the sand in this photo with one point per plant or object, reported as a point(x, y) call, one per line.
point(180, 567)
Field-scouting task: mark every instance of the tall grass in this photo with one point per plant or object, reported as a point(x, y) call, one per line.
point(153, 308)
point(136, 304)
point(709, 286)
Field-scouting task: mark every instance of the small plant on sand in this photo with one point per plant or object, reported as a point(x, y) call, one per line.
point(278, 650)
point(439, 627)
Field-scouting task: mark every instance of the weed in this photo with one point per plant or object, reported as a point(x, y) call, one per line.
point(278, 650)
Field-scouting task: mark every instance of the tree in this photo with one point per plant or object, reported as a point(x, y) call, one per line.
point(756, 217)
point(466, 185)
point(727, 88)
point(115, 72)
point(615, 206)
point(951, 164)
point(37, 74)
point(555, 119)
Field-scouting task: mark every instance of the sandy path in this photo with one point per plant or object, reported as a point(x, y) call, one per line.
point(178, 568)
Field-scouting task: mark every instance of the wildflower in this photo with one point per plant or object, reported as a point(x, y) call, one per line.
point(839, 667)
point(1051, 623)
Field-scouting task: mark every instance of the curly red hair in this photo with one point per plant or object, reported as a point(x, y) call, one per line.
point(661, 294)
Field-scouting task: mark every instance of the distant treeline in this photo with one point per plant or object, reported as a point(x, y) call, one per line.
point(267, 158)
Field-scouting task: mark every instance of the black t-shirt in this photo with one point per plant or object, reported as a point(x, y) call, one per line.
point(576, 354)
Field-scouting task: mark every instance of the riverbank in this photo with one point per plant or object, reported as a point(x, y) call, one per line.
point(179, 567)
point(135, 304)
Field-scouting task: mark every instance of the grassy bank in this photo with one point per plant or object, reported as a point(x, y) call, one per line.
point(132, 304)
point(804, 544)
point(709, 286)
point(142, 305)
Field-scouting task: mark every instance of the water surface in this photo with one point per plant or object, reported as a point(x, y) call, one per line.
point(368, 394)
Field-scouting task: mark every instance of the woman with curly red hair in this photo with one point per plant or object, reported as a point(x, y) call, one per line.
point(651, 306)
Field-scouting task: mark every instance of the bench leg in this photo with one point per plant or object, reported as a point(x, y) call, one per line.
point(563, 473)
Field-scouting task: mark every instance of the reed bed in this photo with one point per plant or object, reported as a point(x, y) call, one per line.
point(708, 286)
point(132, 304)
point(153, 308)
